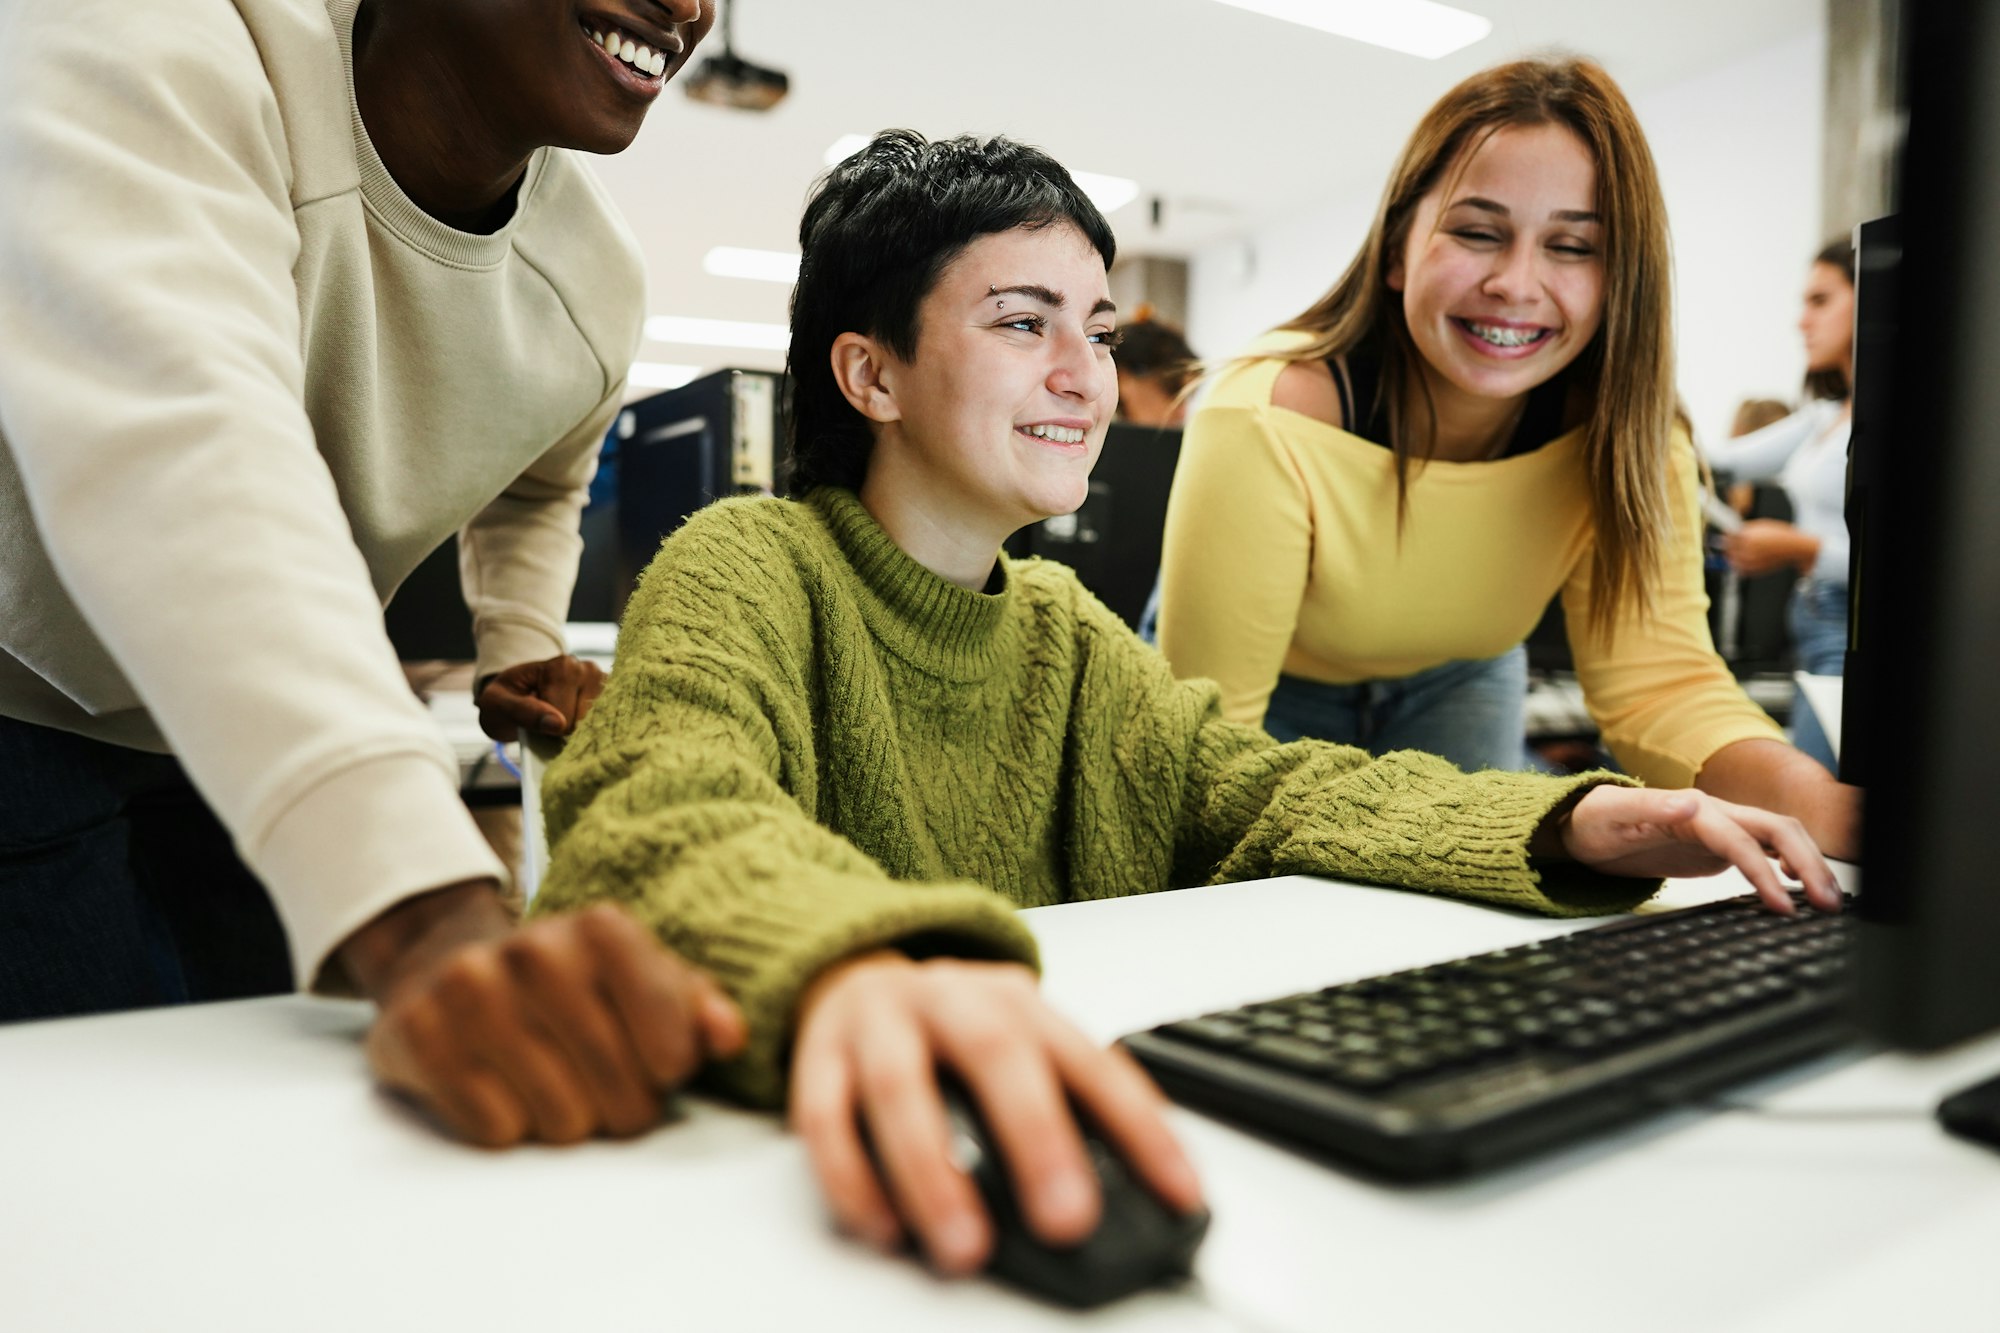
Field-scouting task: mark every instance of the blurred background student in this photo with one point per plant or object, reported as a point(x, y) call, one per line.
point(1155, 367)
point(1806, 454)
point(1375, 504)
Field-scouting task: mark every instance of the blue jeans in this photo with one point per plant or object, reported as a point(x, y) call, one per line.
point(118, 887)
point(1472, 713)
point(1818, 620)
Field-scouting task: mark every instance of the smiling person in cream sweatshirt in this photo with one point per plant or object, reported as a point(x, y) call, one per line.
point(293, 291)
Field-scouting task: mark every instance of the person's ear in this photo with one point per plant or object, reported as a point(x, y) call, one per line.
point(1395, 276)
point(862, 368)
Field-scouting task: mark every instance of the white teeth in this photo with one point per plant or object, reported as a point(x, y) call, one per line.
point(1060, 434)
point(642, 58)
point(1500, 337)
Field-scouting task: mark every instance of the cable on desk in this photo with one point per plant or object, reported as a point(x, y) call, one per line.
point(1825, 1115)
point(1669, 1099)
point(500, 753)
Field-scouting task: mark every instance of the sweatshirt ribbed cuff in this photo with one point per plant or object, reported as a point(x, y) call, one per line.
point(355, 845)
point(507, 642)
point(779, 940)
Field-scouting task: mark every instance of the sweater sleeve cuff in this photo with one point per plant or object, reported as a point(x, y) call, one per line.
point(505, 641)
point(358, 843)
point(1494, 847)
point(1434, 828)
point(784, 940)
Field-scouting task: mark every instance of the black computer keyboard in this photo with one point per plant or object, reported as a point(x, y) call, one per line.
point(1443, 1070)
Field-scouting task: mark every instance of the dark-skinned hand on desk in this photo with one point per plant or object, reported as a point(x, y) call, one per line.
point(554, 1031)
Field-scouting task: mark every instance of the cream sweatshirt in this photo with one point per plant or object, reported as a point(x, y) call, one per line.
point(245, 386)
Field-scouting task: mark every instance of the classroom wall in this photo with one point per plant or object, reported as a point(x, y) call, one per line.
point(1739, 157)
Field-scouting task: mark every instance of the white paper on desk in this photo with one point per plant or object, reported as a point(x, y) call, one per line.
point(1720, 515)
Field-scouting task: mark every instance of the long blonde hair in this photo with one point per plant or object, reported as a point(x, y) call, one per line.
point(1626, 370)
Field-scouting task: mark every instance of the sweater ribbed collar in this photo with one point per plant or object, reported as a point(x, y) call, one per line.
point(922, 617)
point(385, 198)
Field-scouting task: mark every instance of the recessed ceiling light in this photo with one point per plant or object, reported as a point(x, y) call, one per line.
point(846, 146)
point(717, 333)
point(1109, 193)
point(659, 375)
point(1415, 27)
point(729, 261)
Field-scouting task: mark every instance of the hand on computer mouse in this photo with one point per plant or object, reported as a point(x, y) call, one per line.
point(874, 1029)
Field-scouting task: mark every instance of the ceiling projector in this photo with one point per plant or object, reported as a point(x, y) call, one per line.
point(729, 80)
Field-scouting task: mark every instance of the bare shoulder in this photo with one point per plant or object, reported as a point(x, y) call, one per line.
point(1308, 388)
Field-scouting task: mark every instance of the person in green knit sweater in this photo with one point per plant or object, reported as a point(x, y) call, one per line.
point(845, 738)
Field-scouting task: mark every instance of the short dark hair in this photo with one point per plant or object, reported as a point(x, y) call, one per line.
point(1151, 349)
point(879, 228)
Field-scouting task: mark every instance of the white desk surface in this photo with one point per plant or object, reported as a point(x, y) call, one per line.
point(229, 1168)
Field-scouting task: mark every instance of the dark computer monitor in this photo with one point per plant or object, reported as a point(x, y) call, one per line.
point(1878, 262)
point(1927, 566)
point(684, 448)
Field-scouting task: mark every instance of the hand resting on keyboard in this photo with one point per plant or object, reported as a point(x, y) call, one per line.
point(1672, 834)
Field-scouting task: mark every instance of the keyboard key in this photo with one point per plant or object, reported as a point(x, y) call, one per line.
point(1288, 1053)
point(1223, 1032)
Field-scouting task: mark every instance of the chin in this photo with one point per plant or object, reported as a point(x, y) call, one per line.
point(1065, 498)
point(606, 139)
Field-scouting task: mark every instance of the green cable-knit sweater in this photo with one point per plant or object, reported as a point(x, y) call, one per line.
point(812, 746)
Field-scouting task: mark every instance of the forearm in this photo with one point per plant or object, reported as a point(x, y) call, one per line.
point(518, 556)
point(1804, 551)
point(1405, 819)
point(1778, 777)
point(698, 836)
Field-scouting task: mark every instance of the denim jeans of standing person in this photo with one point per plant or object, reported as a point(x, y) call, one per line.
point(119, 889)
point(1473, 713)
point(1817, 616)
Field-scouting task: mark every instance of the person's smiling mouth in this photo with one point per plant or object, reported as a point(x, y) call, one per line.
point(638, 62)
point(1061, 434)
point(1503, 337)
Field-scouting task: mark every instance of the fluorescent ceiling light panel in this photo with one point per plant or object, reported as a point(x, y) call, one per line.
point(846, 146)
point(717, 333)
point(1415, 27)
point(729, 261)
point(659, 375)
point(1109, 193)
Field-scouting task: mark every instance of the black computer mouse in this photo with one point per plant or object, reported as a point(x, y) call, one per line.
point(1974, 1113)
point(1139, 1241)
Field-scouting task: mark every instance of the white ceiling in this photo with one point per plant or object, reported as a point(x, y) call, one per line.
point(1228, 117)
